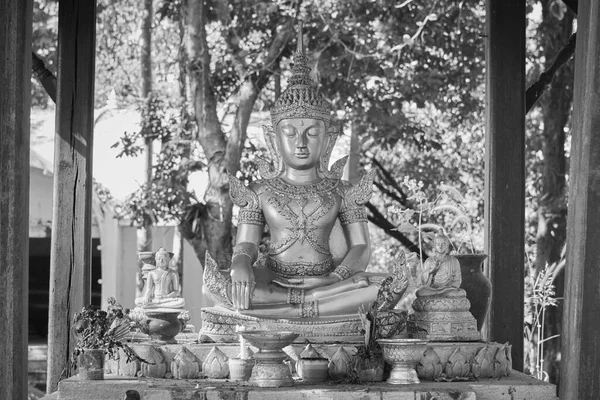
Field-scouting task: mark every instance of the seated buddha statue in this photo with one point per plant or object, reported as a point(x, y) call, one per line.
point(442, 272)
point(319, 240)
point(441, 307)
point(162, 289)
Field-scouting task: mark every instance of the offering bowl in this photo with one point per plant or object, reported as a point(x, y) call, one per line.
point(403, 355)
point(270, 371)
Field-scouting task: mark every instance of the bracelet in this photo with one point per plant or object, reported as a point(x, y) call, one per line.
point(341, 272)
point(242, 251)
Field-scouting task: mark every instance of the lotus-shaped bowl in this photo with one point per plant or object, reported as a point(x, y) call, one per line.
point(269, 341)
point(403, 355)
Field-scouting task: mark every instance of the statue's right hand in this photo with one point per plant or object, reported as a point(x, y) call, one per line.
point(242, 279)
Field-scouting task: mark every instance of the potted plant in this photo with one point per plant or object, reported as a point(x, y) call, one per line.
point(446, 213)
point(99, 333)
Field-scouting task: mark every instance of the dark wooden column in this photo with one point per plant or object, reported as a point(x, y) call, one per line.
point(505, 171)
point(70, 259)
point(15, 103)
point(580, 364)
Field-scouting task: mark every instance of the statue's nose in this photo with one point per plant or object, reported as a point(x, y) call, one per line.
point(301, 140)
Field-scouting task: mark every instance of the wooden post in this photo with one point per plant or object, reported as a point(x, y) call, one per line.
point(580, 364)
point(505, 171)
point(70, 258)
point(15, 103)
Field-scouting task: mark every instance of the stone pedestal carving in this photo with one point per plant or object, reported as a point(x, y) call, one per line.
point(445, 319)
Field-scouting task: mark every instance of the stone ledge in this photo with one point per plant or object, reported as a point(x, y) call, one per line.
point(516, 387)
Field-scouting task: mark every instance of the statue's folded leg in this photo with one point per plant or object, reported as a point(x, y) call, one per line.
point(345, 303)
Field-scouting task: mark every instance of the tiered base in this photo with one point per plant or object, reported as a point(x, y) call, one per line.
point(219, 324)
point(445, 319)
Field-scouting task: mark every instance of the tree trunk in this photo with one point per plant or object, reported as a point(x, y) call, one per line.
point(216, 218)
point(144, 233)
point(208, 226)
point(552, 206)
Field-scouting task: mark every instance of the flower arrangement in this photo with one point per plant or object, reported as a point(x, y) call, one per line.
point(444, 213)
point(378, 321)
point(103, 330)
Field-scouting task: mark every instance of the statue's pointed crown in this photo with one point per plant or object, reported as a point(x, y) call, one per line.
point(301, 98)
point(162, 251)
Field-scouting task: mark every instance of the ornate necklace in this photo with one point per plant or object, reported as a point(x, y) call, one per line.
point(313, 190)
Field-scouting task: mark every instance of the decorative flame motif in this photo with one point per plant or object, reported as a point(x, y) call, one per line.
point(340, 364)
point(430, 366)
point(457, 365)
point(216, 365)
point(483, 363)
point(185, 365)
point(500, 363)
point(156, 366)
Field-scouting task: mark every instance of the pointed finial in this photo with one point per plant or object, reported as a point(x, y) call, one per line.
point(299, 44)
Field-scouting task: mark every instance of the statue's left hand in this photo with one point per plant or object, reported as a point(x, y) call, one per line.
point(307, 282)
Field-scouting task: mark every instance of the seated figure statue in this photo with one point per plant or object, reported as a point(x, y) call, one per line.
point(315, 265)
point(442, 272)
point(162, 288)
point(441, 306)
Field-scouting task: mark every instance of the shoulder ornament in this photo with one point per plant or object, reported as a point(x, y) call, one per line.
point(359, 194)
point(241, 195)
point(337, 169)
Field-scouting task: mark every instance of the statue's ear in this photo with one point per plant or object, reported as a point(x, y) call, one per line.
point(266, 170)
point(330, 138)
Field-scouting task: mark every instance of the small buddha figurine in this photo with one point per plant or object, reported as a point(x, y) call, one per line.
point(311, 214)
point(162, 288)
point(442, 272)
point(441, 307)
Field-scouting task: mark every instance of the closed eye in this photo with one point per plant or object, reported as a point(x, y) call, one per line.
point(314, 132)
point(289, 131)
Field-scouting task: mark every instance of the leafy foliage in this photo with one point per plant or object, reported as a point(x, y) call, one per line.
point(99, 329)
point(445, 213)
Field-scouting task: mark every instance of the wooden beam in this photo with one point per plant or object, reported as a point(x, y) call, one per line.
point(505, 171)
point(70, 256)
point(15, 103)
point(580, 364)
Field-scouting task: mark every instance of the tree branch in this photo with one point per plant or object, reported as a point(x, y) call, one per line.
point(382, 222)
point(43, 76)
point(249, 91)
point(535, 91)
point(391, 181)
point(210, 134)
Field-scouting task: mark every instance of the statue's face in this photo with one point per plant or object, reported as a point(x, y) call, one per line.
point(441, 245)
point(301, 142)
point(162, 260)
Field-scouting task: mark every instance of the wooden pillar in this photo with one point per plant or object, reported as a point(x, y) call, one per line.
point(580, 364)
point(505, 171)
point(70, 258)
point(15, 103)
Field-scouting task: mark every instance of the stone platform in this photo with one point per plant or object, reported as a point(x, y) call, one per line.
point(516, 387)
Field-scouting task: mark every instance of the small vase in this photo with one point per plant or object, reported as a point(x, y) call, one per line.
point(313, 369)
point(240, 369)
point(370, 370)
point(90, 364)
point(476, 284)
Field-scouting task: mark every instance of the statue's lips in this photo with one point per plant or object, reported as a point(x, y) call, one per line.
point(302, 155)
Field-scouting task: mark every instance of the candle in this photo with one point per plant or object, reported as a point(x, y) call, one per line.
point(243, 347)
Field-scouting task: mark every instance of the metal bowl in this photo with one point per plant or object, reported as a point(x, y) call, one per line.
point(403, 355)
